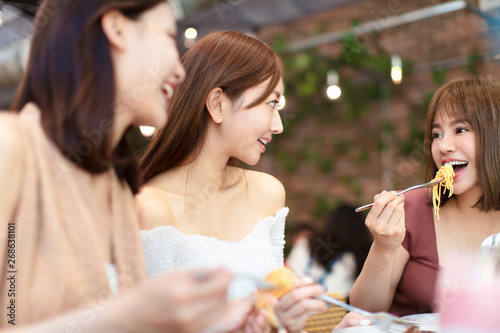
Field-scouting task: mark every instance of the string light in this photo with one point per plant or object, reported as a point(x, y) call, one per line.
point(333, 91)
point(147, 130)
point(190, 34)
point(396, 69)
point(282, 103)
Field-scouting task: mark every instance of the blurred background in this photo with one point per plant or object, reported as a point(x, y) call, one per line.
point(359, 76)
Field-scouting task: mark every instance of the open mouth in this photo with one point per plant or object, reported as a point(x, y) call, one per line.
point(458, 165)
point(264, 142)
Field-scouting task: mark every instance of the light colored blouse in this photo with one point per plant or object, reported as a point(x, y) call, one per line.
point(61, 258)
point(249, 259)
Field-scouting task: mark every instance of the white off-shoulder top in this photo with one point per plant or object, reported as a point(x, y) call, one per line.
point(249, 259)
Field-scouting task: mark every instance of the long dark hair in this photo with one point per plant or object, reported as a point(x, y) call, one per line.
point(70, 77)
point(230, 60)
point(345, 231)
point(477, 102)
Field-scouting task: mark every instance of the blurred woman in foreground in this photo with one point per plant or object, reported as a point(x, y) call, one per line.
point(70, 233)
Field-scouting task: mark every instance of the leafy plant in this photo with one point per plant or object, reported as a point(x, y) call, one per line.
point(288, 162)
point(473, 61)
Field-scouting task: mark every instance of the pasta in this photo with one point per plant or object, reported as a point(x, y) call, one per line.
point(447, 172)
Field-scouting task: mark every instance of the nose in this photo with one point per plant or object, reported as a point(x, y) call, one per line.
point(277, 124)
point(447, 144)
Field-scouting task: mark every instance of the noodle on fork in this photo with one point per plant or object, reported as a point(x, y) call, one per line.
point(446, 172)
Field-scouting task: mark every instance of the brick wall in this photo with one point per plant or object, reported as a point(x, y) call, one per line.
point(445, 41)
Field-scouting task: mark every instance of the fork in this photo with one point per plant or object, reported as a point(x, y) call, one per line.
point(425, 185)
point(383, 321)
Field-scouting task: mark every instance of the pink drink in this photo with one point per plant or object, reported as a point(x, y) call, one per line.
point(469, 295)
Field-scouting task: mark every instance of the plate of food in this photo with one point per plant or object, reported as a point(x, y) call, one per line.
point(426, 322)
point(359, 329)
point(373, 329)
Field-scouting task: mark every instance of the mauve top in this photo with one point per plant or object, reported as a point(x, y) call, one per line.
point(415, 292)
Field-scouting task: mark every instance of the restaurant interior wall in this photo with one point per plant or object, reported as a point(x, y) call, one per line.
point(454, 45)
point(329, 157)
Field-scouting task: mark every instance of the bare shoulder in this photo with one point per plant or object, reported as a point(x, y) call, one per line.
point(11, 153)
point(11, 157)
point(154, 208)
point(266, 191)
point(9, 126)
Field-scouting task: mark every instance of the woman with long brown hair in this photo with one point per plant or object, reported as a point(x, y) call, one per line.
point(412, 243)
point(70, 232)
point(198, 208)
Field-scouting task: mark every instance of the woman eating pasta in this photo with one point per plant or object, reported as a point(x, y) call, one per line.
point(411, 243)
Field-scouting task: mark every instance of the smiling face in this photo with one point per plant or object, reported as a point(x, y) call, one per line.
point(247, 131)
point(454, 142)
point(148, 69)
point(476, 102)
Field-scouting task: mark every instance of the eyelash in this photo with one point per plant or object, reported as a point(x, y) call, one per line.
point(276, 103)
point(458, 130)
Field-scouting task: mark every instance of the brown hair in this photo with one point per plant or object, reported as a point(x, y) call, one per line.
point(70, 77)
point(229, 60)
point(477, 102)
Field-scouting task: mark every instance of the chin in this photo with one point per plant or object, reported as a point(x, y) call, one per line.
point(160, 123)
point(159, 120)
point(460, 189)
point(251, 162)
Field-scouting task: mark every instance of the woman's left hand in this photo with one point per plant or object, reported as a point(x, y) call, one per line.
point(294, 308)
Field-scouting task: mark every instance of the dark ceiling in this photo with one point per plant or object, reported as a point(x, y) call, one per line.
point(247, 16)
point(205, 15)
point(240, 15)
point(251, 15)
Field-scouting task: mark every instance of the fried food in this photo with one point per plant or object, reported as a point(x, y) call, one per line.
point(282, 281)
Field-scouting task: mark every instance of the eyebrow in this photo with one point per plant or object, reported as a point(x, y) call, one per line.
point(278, 94)
point(454, 122)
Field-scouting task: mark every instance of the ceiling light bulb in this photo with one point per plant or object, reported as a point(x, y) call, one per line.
point(333, 92)
point(396, 74)
point(191, 33)
point(147, 130)
point(282, 103)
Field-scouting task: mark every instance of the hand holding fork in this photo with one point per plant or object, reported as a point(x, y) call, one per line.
point(383, 321)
